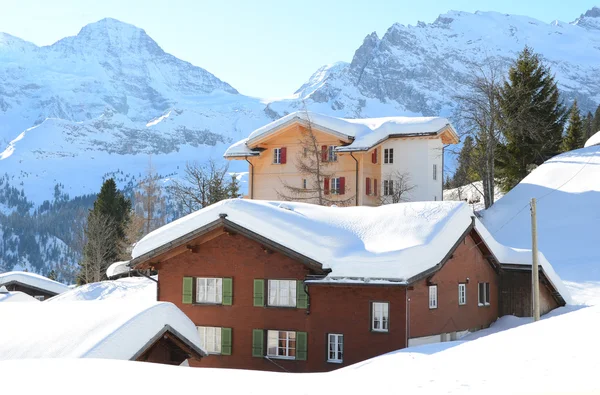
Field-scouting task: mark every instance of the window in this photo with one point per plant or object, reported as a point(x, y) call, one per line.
point(484, 294)
point(277, 156)
point(381, 319)
point(281, 344)
point(434, 172)
point(331, 154)
point(304, 183)
point(388, 155)
point(39, 297)
point(282, 293)
point(210, 339)
point(433, 297)
point(209, 290)
point(335, 348)
point(388, 187)
point(335, 186)
point(462, 294)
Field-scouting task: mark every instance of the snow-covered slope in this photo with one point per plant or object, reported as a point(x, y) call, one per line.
point(129, 289)
point(567, 189)
point(528, 360)
point(419, 69)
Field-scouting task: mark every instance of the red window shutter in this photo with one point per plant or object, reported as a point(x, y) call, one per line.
point(326, 185)
point(375, 186)
point(368, 186)
point(324, 153)
point(283, 155)
point(342, 185)
point(374, 156)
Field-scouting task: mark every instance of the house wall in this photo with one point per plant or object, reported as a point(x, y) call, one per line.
point(270, 178)
point(515, 296)
point(466, 262)
point(333, 309)
point(29, 291)
point(416, 158)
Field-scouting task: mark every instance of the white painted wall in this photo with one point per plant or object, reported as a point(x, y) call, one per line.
point(417, 157)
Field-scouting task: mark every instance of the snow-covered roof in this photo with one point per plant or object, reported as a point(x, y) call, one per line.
point(33, 280)
point(118, 268)
point(129, 289)
point(363, 133)
point(594, 140)
point(16, 296)
point(393, 242)
point(113, 330)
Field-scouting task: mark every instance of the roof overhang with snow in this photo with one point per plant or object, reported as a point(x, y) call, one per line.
point(354, 134)
point(33, 281)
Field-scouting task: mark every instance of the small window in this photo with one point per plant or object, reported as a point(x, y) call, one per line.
point(282, 293)
point(433, 302)
point(388, 155)
point(381, 319)
point(434, 172)
point(209, 290)
point(281, 344)
point(277, 156)
point(388, 187)
point(335, 348)
point(462, 294)
point(39, 297)
point(331, 154)
point(335, 186)
point(304, 183)
point(484, 294)
point(210, 339)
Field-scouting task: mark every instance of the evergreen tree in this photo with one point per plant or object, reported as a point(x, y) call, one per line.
point(596, 122)
point(52, 275)
point(532, 119)
point(587, 126)
point(574, 136)
point(465, 172)
point(105, 232)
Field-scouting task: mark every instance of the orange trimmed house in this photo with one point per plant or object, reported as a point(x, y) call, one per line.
point(370, 157)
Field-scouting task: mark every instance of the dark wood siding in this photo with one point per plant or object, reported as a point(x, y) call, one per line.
point(515, 294)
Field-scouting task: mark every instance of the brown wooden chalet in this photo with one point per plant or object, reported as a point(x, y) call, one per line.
point(262, 298)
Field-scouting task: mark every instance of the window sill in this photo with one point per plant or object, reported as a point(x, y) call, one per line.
point(334, 361)
point(207, 304)
point(483, 305)
point(432, 308)
point(274, 306)
point(280, 357)
point(380, 330)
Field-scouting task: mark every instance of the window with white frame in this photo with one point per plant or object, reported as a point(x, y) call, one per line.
point(335, 186)
point(433, 302)
point(434, 172)
point(209, 290)
point(331, 154)
point(277, 156)
point(388, 187)
point(335, 347)
point(380, 317)
point(484, 294)
point(210, 339)
point(282, 293)
point(462, 294)
point(388, 155)
point(281, 344)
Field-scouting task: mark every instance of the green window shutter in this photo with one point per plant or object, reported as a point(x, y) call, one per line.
point(227, 291)
point(301, 345)
point(225, 341)
point(259, 292)
point(187, 290)
point(258, 339)
point(301, 296)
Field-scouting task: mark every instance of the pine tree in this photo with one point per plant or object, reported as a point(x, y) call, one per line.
point(574, 136)
point(532, 119)
point(596, 122)
point(52, 275)
point(587, 126)
point(465, 173)
point(105, 232)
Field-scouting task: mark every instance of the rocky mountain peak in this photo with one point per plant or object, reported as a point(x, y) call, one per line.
point(590, 19)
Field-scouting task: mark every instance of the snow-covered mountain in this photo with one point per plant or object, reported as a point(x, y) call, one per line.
point(100, 103)
point(419, 69)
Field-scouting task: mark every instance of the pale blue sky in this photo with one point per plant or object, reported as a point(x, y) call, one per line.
point(262, 48)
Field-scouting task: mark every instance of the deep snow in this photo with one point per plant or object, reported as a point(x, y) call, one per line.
point(128, 289)
point(33, 280)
